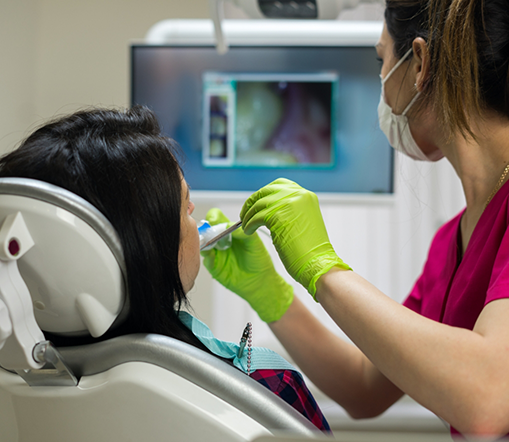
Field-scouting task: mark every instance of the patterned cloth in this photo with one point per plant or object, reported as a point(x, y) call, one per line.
point(289, 386)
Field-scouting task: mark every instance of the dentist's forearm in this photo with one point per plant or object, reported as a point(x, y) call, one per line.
point(335, 366)
point(457, 373)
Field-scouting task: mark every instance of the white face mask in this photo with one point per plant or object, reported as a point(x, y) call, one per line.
point(396, 128)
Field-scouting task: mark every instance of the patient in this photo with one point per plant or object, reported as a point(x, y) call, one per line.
point(121, 163)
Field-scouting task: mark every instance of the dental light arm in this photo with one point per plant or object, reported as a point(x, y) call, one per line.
point(279, 9)
point(217, 15)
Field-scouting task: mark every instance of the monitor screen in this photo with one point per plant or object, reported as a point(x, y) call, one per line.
point(255, 114)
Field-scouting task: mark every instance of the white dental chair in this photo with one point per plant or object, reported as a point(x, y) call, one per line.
point(71, 281)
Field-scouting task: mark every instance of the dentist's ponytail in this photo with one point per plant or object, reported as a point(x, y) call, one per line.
point(454, 61)
point(468, 43)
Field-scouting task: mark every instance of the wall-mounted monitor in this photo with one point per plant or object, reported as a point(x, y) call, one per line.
point(259, 112)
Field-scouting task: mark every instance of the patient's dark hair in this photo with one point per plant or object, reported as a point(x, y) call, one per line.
point(121, 163)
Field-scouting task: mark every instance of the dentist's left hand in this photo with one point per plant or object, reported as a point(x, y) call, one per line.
point(247, 270)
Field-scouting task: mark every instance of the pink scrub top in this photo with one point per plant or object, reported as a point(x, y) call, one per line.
point(454, 291)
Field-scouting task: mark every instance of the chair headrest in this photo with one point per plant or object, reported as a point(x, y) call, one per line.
point(75, 271)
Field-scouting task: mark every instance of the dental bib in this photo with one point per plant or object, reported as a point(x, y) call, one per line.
point(261, 358)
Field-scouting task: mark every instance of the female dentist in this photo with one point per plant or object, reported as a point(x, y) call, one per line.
point(445, 92)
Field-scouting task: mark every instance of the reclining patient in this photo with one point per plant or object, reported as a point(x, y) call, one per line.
point(121, 163)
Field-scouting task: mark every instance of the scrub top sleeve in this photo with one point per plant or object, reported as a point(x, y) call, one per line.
point(424, 293)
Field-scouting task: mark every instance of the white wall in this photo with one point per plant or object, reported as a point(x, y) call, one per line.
point(17, 60)
point(61, 55)
point(83, 57)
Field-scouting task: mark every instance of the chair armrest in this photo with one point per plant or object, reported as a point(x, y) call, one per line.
point(200, 368)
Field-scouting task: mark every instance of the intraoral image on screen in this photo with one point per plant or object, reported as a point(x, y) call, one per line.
point(218, 117)
point(269, 120)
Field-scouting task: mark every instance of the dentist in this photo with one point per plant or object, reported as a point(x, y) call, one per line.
point(445, 92)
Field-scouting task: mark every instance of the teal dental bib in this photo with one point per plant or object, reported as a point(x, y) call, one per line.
point(261, 358)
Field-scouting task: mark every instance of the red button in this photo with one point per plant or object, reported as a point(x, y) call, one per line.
point(13, 247)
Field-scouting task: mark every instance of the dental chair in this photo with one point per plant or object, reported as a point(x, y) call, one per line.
point(62, 271)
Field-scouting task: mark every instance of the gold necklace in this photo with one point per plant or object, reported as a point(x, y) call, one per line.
point(498, 186)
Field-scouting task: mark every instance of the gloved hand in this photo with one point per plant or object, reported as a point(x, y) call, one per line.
point(293, 217)
point(247, 270)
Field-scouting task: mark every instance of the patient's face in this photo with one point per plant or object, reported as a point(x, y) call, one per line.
point(189, 254)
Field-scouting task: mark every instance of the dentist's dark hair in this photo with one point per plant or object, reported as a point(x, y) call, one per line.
point(121, 163)
point(468, 42)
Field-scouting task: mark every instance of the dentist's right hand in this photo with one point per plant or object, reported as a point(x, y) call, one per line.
point(293, 216)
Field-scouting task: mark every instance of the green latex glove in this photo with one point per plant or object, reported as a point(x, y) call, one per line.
point(293, 217)
point(247, 270)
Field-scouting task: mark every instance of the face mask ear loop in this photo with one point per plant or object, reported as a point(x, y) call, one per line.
point(396, 66)
point(411, 103)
